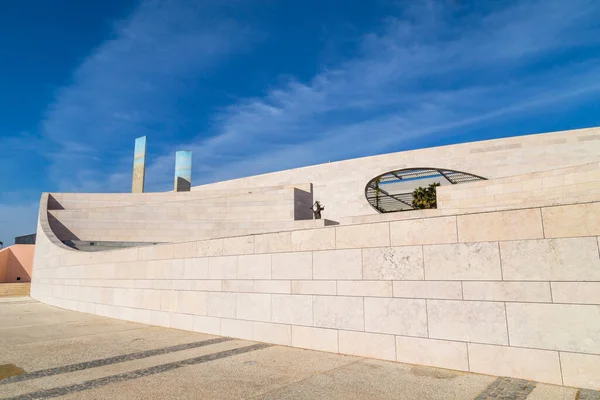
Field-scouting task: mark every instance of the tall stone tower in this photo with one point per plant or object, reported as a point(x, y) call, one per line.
point(139, 165)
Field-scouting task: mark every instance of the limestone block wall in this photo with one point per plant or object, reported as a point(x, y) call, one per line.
point(512, 293)
point(557, 186)
point(340, 185)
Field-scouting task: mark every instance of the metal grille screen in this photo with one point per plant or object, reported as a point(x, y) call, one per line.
point(393, 191)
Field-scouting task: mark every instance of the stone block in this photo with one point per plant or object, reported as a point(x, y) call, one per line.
point(204, 324)
point(467, 321)
point(160, 318)
point(185, 249)
point(221, 304)
point(537, 365)
point(580, 370)
point(538, 292)
point(173, 269)
point(500, 225)
point(210, 248)
point(566, 327)
point(315, 338)
point(182, 321)
point(393, 263)
point(273, 242)
point(365, 288)
point(238, 245)
point(237, 285)
point(431, 352)
point(339, 312)
point(365, 235)
point(462, 261)
point(292, 309)
point(313, 239)
point(337, 264)
point(576, 292)
point(207, 285)
point(222, 267)
point(373, 345)
point(396, 316)
point(428, 289)
point(292, 265)
point(270, 286)
point(236, 328)
point(255, 266)
point(254, 306)
point(423, 231)
point(572, 220)
point(272, 333)
point(195, 268)
point(314, 287)
point(573, 259)
point(190, 302)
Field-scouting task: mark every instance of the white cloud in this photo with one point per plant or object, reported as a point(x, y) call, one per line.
point(431, 69)
point(129, 86)
point(426, 73)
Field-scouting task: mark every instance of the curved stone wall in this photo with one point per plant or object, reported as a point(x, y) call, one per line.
point(512, 293)
point(339, 186)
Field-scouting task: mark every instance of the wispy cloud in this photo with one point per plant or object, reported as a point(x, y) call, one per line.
point(432, 69)
point(130, 86)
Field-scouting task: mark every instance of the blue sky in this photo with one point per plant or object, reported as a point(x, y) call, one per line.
point(258, 86)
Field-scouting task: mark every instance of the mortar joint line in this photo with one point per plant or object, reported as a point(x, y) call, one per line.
point(423, 260)
point(456, 224)
point(506, 319)
point(500, 259)
point(542, 221)
point(468, 357)
point(562, 380)
point(427, 318)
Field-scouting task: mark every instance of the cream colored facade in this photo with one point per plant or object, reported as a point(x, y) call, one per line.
point(509, 290)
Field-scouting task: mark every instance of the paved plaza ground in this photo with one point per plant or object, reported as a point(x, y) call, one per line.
point(47, 352)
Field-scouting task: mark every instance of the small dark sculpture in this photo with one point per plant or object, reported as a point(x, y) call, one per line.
point(316, 209)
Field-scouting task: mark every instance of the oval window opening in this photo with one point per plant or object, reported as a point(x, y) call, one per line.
point(411, 188)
